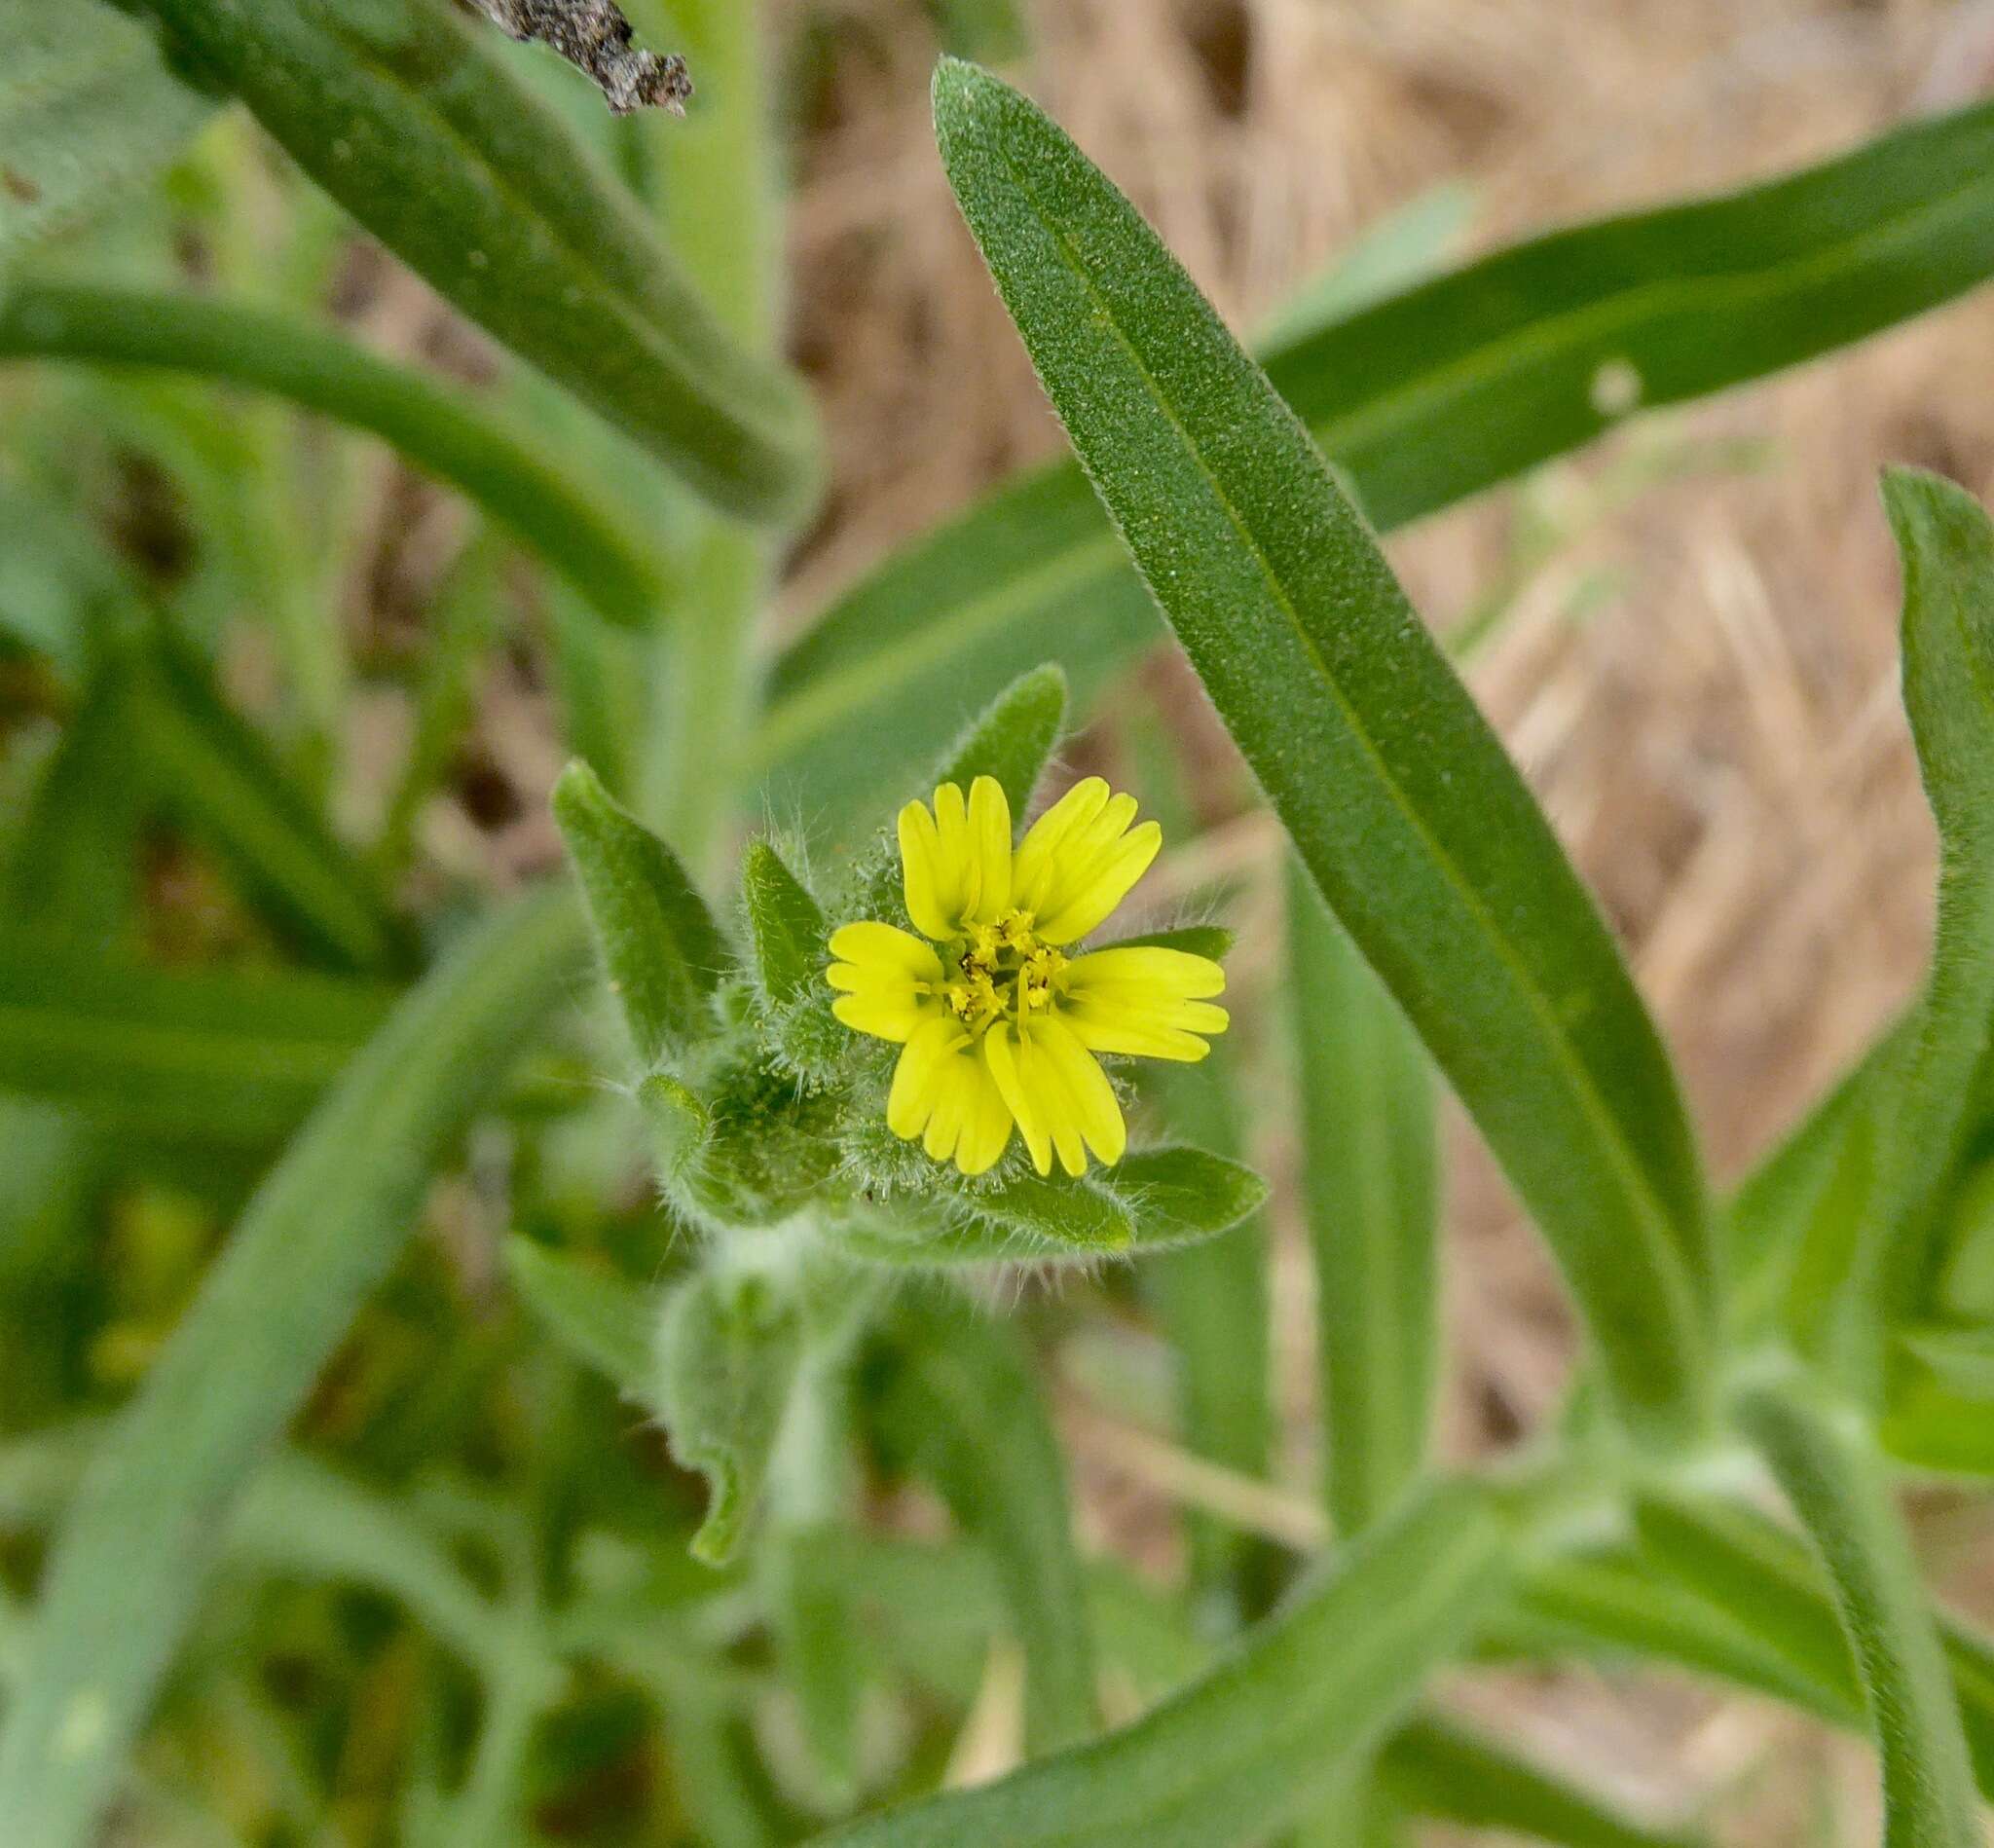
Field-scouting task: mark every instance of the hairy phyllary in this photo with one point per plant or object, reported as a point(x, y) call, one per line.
point(595, 37)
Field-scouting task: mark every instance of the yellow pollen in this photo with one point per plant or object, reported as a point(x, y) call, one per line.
point(1002, 972)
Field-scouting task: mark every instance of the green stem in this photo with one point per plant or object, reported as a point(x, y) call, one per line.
point(1831, 1475)
point(717, 190)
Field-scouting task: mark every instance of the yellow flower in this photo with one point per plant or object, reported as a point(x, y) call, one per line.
point(999, 1026)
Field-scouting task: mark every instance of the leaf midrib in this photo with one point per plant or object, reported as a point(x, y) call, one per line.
point(1578, 1073)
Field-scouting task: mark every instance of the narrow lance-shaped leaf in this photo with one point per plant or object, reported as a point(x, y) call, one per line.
point(1371, 1186)
point(1947, 544)
point(1439, 1769)
point(962, 1405)
point(1398, 796)
point(1843, 1499)
point(1012, 739)
point(1722, 1590)
point(88, 109)
point(403, 111)
point(786, 924)
point(1275, 1726)
point(660, 948)
point(470, 445)
point(1436, 394)
point(128, 1567)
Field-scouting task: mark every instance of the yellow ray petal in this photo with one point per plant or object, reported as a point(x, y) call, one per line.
point(1091, 1102)
point(916, 1078)
point(888, 980)
point(1145, 1001)
point(989, 849)
point(1001, 1053)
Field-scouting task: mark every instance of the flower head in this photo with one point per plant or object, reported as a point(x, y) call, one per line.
point(999, 1018)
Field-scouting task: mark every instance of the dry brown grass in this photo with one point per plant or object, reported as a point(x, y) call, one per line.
point(1719, 743)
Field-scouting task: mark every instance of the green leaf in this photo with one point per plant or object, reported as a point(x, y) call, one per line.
point(1962, 1359)
point(678, 1121)
point(208, 1057)
point(404, 111)
point(214, 775)
point(1371, 1187)
point(1965, 1284)
point(962, 1405)
point(1948, 545)
point(786, 925)
point(88, 111)
point(1213, 1307)
point(1276, 1726)
point(1398, 796)
point(661, 951)
point(1403, 247)
point(591, 1312)
point(1435, 396)
point(1012, 737)
point(127, 1573)
point(1844, 1503)
point(298, 1519)
point(73, 863)
point(574, 524)
point(1082, 1216)
point(1620, 1607)
point(1774, 1217)
point(1182, 1196)
point(728, 1349)
point(1436, 1768)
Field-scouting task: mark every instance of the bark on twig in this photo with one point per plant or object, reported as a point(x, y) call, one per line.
point(595, 37)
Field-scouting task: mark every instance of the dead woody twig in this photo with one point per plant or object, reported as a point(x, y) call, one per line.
point(595, 37)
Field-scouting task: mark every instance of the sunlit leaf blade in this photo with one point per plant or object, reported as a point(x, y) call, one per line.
point(594, 1315)
point(405, 113)
point(963, 1409)
point(1399, 799)
point(127, 1571)
point(1843, 1500)
point(472, 445)
point(1447, 1772)
point(1431, 396)
point(88, 109)
point(1273, 1727)
point(208, 1057)
point(661, 951)
point(1371, 1184)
